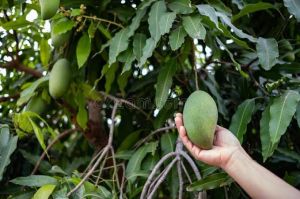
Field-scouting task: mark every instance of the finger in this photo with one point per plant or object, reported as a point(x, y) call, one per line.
point(179, 115)
point(178, 120)
point(185, 140)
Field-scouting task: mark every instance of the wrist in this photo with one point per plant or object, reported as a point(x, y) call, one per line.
point(238, 156)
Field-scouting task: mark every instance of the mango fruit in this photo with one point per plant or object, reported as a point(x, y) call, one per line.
point(60, 78)
point(37, 105)
point(59, 40)
point(200, 116)
point(49, 8)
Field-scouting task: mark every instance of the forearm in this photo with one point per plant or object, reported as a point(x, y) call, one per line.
point(257, 181)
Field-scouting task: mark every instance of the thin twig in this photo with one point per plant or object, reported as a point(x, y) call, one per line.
point(20, 67)
point(103, 20)
point(192, 164)
point(122, 182)
point(115, 167)
point(105, 151)
point(162, 178)
point(139, 143)
point(186, 172)
point(179, 147)
point(258, 84)
point(60, 136)
point(123, 101)
point(154, 171)
point(101, 169)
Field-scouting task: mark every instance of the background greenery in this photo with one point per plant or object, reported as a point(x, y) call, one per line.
point(146, 57)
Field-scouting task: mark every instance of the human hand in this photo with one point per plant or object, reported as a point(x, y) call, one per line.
point(224, 147)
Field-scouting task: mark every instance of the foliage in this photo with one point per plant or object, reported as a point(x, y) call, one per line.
point(133, 64)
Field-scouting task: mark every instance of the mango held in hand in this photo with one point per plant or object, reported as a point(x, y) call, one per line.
point(200, 115)
point(60, 77)
point(49, 8)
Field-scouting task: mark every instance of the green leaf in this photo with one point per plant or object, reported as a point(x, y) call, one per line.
point(157, 10)
point(82, 114)
point(194, 27)
point(210, 182)
point(139, 42)
point(123, 80)
point(227, 33)
point(92, 29)
point(83, 49)
point(30, 91)
point(104, 31)
point(225, 19)
point(293, 7)
point(241, 118)
point(62, 25)
point(267, 50)
point(8, 145)
point(281, 113)
point(126, 57)
point(146, 4)
point(288, 153)
point(181, 6)
point(147, 50)
point(32, 159)
point(167, 142)
point(265, 134)
point(239, 3)
point(220, 6)
point(164, 83)
point(176, 38)
point(34, 180)
point(134, 164)
point(118, 44)
point(44, 192)
point(298, 115)
point(251, 8)
point(110, 76)
point(136, 21)
point(214, 89)
point(38, 133)
point(45, 51)
point(210, 12)
point(166, 21)
point(15, 25)
point(130, 140)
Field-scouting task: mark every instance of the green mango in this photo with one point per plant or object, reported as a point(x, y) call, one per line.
point(200, 116)
point(60, 78)
point(60, 39)
point(49, 8)
point(37, 105)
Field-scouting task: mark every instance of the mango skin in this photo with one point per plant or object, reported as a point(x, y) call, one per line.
point(49, 8)
point(200, 116)
point(60, 78)
point(37, 105)
point(60, 39)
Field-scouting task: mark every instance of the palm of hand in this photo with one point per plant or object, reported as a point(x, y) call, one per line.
point(224, 146)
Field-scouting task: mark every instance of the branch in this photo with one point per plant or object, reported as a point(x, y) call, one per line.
point(162, 178)
point(155, 169)
point(139, 143)
point(123, 101)
point(20, 67)
point(102, 20)
point(106, 149)
point(5, 99)
point(60, 136)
